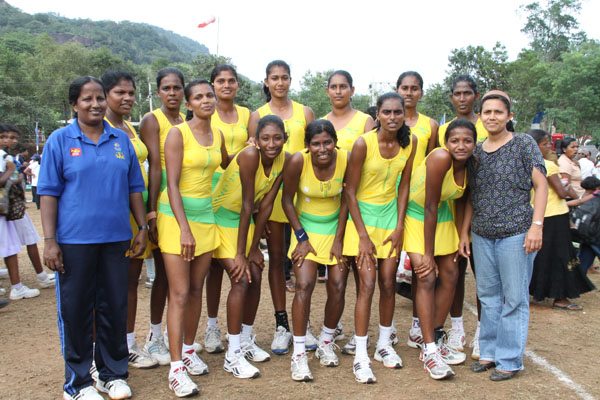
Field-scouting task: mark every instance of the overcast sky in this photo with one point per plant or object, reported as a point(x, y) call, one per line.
point(374, 40)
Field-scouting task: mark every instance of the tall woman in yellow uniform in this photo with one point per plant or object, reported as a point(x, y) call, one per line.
point(120, 97)
point(349, 125)
point(153, 131)
point(295, 117)
point(232, 120)
point(374, 234)
point(431, 240)
point(186, 228)
point(316, 178)
point(253, 176)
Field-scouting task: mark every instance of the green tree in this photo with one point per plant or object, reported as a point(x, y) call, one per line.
point(312, 92)
point(436, 102)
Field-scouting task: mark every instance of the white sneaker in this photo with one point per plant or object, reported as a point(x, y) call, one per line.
point(87, 393)
point(240, 367)
point(138, 358)
point(394, 336)
point(388, 356)
point(2, 291)
point(362, 371)
point(3, 273)
point(436, 366)
point(350, 346)
point(193, 363)
point(254, 353)
point(456, 339)
point(475, 345)
point(415, 339)
point(181, 384)
point(156, 348)
point(212, 340)
point(281, 341)
point(310, 343)
point(326, 354)
point(23, 293)
point(48, 282)
point(450, 356)
point(338, 334)
point(149, 283)
point(116, 389)
point(94, 372)
point(300, 370)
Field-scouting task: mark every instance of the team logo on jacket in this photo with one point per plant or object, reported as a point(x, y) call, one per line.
point(75, 151)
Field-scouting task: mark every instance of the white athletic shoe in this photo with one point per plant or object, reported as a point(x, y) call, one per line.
point(436, 366)
point(87, 393)
point(310, 343)
point(212, 340)
point(2, 291)
point(138, 358)
point(450, 356)
point(116, 389)
point(239, 366)
point(350, 346)
point(193, 363)
point(157, 349)
point(388, 356)
point(300, 370)
point(475, 345)
point(338, 334)
point(254, 353)
point(23, 293)
point(48, 282)
point(456, 339)
point(362, 371)
point(326, 354)
point(181, 384)
point(415, 339)
point(94, 372)
point(394, 336)
point(281, 341)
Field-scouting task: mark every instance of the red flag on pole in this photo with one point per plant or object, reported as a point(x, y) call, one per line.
point(209, 21)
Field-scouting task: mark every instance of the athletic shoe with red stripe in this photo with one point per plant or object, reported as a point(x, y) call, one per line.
point(181, 384)
point(435, 365)
point(193, 363)
point(415, 339)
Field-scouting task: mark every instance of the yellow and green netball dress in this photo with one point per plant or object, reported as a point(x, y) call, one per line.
point(446, 235)
point(141, 152)
point(377, 196)
point(422, 130)
point(227, 203)
point(163, 129)
point(235, 135)
point(352, 131)
point(555, 205)
point(195, 186)
point(482, 133)
point(318, 207)
point(295, 127)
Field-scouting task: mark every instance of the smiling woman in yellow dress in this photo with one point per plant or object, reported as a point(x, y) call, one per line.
point(295, 117)
point(187, 232)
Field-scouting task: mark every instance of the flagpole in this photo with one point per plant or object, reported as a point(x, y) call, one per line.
point(218, 26)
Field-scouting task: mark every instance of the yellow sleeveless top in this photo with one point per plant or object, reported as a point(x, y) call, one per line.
point(236, 134)
point(422, 130)
point(352, 131)
point(555, 205)
point(198, 165)
point(163, 129)
point(482, 133)
point(294, 126)
point(228, 192)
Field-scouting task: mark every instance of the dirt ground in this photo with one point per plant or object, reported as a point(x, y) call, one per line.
point(31, 365)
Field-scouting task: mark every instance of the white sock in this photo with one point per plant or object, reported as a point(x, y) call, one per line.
point(187, 348)
point(299, 345)
point(416, 324)
point(175, 365)
point(234, 344)
point(156, 330)
point(457, 323)
point(429, 348)
point(18, 286)
point(212, 322)
point(384, 336)
point(246, 332)
point(42, 276)
point(326, 334)
point(130, 340)
point(361, 347)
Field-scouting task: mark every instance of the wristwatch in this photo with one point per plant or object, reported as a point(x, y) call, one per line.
point(538, 223)
point(143, 227)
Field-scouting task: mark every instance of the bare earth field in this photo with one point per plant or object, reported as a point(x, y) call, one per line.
point(563, 344)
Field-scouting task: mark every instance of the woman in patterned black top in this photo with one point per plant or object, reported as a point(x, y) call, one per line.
point(506, 233)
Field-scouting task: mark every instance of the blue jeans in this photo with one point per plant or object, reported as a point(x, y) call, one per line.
point(503, 271)
point(586, 256)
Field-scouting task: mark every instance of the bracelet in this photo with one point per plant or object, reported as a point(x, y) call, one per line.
point(151, 215)
point(538, 223)
point(301, 235)
point(143, 227)
point(50, 238)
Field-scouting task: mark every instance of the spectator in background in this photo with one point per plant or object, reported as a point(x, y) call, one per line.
point(586, 164)
point(569, 169)
point(33, 170)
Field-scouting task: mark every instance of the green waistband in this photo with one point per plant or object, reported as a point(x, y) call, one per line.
point(417, 212)
point(228, 219)
point(320, 224)
point(196, 210)
point(383, 216)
